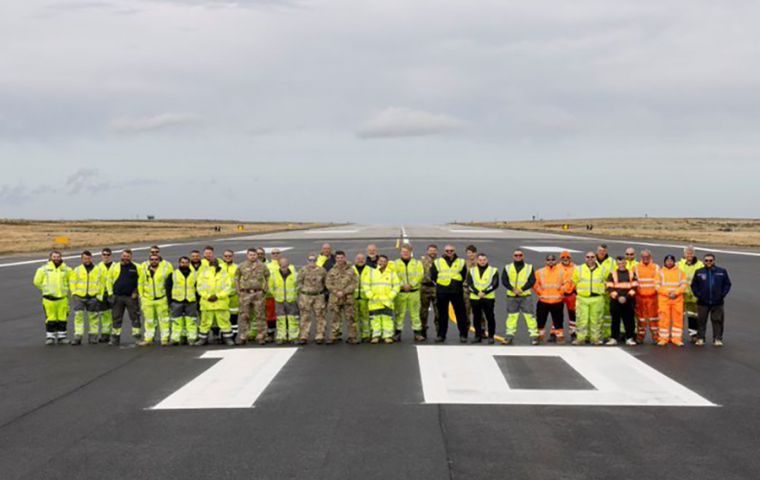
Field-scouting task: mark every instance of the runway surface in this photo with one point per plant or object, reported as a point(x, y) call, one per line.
point(396, 411)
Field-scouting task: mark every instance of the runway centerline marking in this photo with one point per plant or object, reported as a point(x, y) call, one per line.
point(236, 381)
point(470, 375)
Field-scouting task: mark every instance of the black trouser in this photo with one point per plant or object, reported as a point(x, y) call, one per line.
point(457, 301)
point(625, 312)
point(716, 316)
point(131, 305)
point(555, 309)
point(481, 308)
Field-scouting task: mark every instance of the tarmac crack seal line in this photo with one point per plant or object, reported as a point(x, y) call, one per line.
point(236, 381)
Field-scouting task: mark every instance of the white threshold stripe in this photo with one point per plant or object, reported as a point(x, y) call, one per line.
point(269, 249)
point(236, 381)
point(470, 375)
point(69, 257)
point(321, 232)
point(682, 246)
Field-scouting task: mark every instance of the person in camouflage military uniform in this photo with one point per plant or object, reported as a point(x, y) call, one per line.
point(341, 281)
point(311, 299)
point(427, 290)
point(252, 284)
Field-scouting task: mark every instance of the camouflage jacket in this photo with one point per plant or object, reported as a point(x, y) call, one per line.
point(311, 279)
point(252, 275)
point(341, 279)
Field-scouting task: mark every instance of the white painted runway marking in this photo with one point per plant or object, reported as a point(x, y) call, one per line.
point(236, 381)
point(269, 249)
point(548, 249)
point(322, 232)
point(470, 375)
point(458, 230)
point(70, 257)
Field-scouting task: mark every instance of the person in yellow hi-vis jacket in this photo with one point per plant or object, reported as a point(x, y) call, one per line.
point(382, 291)
point(361, 303)
point(409, 271)
point(518, 279)
point(88, 285)
point(52, 280)
point(215, 287)
point(283, 285)
point(183, 303)
point(152, 283)
point(590, 285)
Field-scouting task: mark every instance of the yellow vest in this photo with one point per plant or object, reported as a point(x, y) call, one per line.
point(447, 273)
point(183, 288)
point(360, 293)
point(84, 283)
point(519, 279)
point(588, 282)
point(383, 288)
point(218, 283)
point(481, 283)
point(52, 281)
point(409, 273)
point(153, 287)
point(284, 290)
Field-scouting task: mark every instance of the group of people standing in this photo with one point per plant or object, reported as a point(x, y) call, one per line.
point(204, 298)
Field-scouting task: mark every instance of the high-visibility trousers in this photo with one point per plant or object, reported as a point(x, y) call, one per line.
point(647, 315)
point(671, 319)
point(155, 311)
point(361, 313)
point(606, 318)
point(588, 317)
point(382, 323)
point(221, 317)
point(288, 321)
point(408, 302)
point(89, 307)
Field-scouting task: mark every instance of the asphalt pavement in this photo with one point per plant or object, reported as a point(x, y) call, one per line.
point(343, 411)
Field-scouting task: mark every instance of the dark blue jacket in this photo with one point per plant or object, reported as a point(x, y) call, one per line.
point(710, 286)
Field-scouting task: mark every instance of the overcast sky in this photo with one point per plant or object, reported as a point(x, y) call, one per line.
point(379, 112)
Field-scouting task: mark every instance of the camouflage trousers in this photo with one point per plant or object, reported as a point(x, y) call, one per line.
point(339, 311)
point(312, 305)
point(427, 298)
point(251, 300)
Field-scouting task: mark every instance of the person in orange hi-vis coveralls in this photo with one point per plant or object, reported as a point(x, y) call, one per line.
point(646, 298)
point(568, 268)
point(671, 285)
point(550, 287)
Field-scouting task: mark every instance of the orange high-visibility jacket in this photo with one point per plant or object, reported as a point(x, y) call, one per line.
point(647, 276)
point(567, 272)
point(550, 284)
point(671, 279)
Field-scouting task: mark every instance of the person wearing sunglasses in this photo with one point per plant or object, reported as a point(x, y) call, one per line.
point(710, 285)
point(448, 273)
point(518, 279)
point(590, 286)
point(550, 287)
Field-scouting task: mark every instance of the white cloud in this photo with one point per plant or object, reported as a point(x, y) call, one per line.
point(406, 122)
point(151, 123)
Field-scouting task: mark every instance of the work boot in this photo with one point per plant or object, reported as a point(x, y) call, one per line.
point(50, 341)
point(136, 334)
point(490, 341)
point(388, 340)
point(319, 340)
point(176, 343)
point(77, 340)
point(560, 339)
point(279, 341)
point(229, 341)
point(717, 343)
point(699, 343)
point(662, 343)
point(144, 343)
point(611, 342)
point(375, 340)
point(439, 339)
point(577, 342)
point(541, 336)
point(103, 338)
point(302, 341)
point(552, 338)
point(462, 339)
point(677, 344)
point(535, 341)
point(631, 342)
point(115, 340)
point(201, 342)
point(352, 341)
point(693, 338)
point(164, 343)
point(397, 336)
point(599, 343)
point(92, 339)
point(63, 341)
point(507, 340)
point(477, 340)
